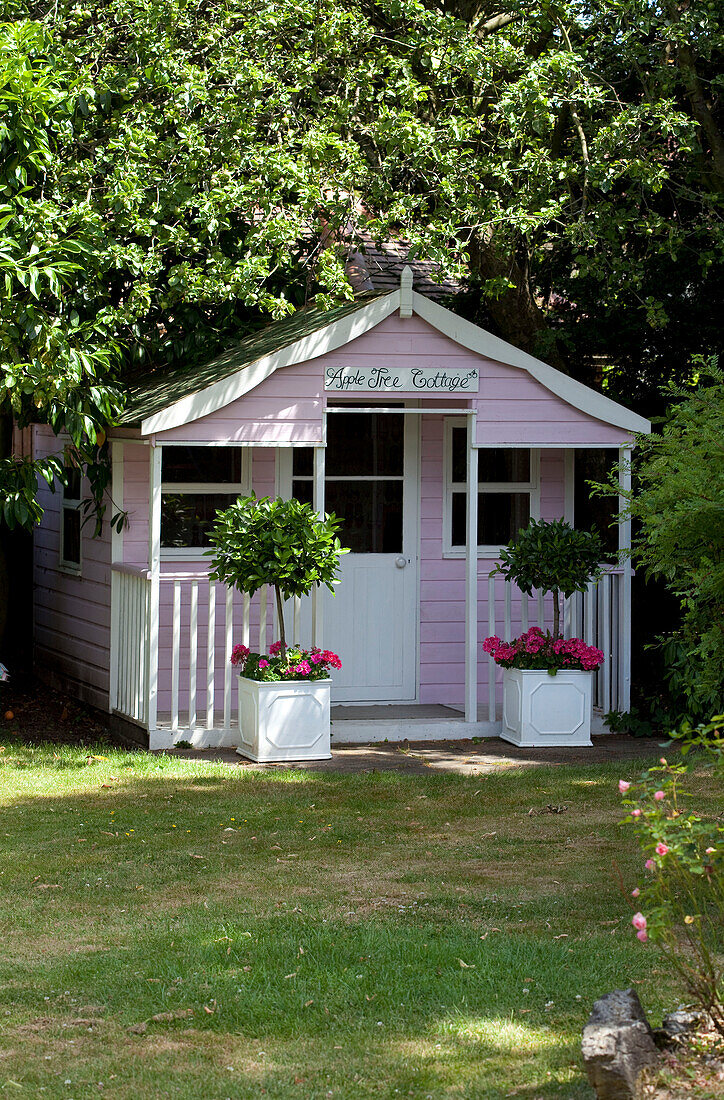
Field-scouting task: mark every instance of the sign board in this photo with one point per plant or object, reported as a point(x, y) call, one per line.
point(401, 379)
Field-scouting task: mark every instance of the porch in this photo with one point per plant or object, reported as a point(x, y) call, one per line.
point(175, 651)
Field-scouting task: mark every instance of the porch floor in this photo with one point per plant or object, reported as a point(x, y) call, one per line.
point(394, 712)
point(461, 757)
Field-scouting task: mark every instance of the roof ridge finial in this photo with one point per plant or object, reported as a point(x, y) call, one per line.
point(406, 292)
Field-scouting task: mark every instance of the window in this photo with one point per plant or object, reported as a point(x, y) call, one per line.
point(364, 479)
point(507, 498)
point(70, 521)
point(196, 482)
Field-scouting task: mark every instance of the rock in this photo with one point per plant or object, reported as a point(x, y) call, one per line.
point(683, 1021)
point(618, 1046)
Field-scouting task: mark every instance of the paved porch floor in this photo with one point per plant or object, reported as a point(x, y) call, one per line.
point(461, 757)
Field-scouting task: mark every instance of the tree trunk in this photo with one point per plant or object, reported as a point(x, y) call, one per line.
point(556, 613)
point(280, 613)
point(515, 312)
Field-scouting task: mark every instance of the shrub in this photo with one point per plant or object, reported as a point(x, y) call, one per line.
point(680, 903)
point(678, 507)
point(551, 556)
point(282, 543)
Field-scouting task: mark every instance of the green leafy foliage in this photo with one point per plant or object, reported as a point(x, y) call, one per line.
point(551, 556)
point(678, 506)
point(282, 543)
point(682, 899)
point(18, 488)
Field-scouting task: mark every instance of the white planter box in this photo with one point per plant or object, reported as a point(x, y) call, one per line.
point(281, 721)
point(541, 711)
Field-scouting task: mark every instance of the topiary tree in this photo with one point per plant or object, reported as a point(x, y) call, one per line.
point(551, 556)
point(283, 543)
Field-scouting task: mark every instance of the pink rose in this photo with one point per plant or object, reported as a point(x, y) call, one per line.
point(710, 851)
point(641, 935)
point(638, 920)
point(623, 786)
point(635, 893)
point(650, 865)
point(636, 813)
point(661, 849)
point(663, 761)
point(659, 795)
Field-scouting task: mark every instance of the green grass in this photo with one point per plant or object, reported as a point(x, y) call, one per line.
point(372, 935)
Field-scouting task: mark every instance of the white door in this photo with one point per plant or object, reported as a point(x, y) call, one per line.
point(371, 482)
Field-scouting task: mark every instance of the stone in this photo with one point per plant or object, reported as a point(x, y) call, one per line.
point(618, 1046)
point(683, 1021)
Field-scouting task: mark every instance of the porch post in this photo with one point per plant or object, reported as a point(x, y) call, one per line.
point(116, 556)
point(318, 505)
point(624, 591)
point(154, 568)
point(471, 579)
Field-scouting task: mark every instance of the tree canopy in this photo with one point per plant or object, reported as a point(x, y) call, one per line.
point(173, 172)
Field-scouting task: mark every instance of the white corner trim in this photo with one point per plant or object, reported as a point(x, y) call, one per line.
point(406, 307)
point(492, 347)
point(223, 392)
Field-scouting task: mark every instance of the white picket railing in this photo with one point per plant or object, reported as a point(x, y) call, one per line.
point(200, 621)
point(130, 603)
point(598, 615)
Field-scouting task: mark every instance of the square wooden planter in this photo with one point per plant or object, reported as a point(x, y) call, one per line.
point(543, 711)
point(284, 721)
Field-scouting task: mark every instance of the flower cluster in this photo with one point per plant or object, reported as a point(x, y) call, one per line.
point(679, 901)
point(298, 664)
point(534, 649)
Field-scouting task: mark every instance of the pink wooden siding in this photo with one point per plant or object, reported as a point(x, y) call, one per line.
point(442, 580)
point(513, 408)
point(72, 613)
point(136, 470)
point(286, 408)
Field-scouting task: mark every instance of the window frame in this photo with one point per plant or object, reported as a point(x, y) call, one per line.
point(192, 488)
point(73, 505)
point(531, 487)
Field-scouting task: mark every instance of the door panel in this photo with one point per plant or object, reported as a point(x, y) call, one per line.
point(371, 622)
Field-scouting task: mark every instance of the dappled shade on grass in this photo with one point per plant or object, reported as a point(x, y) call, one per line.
point(352, 934)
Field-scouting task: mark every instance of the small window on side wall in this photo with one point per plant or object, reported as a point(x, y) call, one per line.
point(508, 493)
point(196, 483)
point(70, 521)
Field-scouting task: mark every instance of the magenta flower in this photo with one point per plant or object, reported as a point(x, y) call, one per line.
point(650, 865)
point(641, 935)
point(659, 795)
point(263, 664)
point(661, 849)
point(638, 920)
point(623, 786)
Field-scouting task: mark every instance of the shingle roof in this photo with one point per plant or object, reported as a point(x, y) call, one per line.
point(152, 394)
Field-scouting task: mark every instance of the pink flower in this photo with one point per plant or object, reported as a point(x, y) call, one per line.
point(641, 935)
point(491, 644)
point(636, 813)
point(650, 865)
point(659, 795)
point(303, 668)
point(710, 851)
point(662, 760)
point(239, 654)
point(315, 658)
point(661, 849)
point(638, 920)
point(263, 664)
point(623, 786)
point(635, 893)
point(275, 649)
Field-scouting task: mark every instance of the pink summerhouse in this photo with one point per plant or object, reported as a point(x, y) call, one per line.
point(432, 438)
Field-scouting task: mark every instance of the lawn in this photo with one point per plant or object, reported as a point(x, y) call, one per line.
point(175, 928)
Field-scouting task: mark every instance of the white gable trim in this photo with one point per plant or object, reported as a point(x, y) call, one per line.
point(562, 385)
point(339, 333)
point(222, 393)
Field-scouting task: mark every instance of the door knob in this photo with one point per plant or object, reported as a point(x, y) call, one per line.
point(400, 561)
